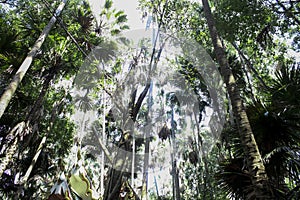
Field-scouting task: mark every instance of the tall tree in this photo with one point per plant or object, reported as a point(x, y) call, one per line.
point(254, 162)
point(56, 60)
point(12, 87)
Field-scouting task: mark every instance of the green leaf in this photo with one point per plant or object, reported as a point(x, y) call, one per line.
point(108, 4)
point(121, 19)
point(115, 31)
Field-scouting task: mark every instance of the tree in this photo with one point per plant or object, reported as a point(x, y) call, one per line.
point(56, 60)
point(255, 163)
point(9, 92)
point(277, 136)
point(41, 147)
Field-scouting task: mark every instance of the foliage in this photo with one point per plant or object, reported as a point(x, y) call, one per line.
point(44, 93)
point(258, 36)
point(277, 133)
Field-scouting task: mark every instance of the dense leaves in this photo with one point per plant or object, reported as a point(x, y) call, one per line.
point(261, 39)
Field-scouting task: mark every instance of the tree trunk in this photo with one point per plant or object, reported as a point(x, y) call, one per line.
point(104, 141)
point(12, 87)
point(254, 161)
point(33, 116)
point(175, 173)
point(147, 148)
point(24, 179)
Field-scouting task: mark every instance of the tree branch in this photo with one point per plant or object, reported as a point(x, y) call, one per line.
point(288, 13)
point(250, 66)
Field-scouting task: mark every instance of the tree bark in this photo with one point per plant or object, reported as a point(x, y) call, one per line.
point(12, 87)
point(254, 161)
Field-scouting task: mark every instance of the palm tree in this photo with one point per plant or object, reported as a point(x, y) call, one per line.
point(276, 129)
point(254, 161)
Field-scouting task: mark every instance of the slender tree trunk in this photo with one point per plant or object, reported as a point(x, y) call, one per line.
point(254, 161)
point(104, 141)
point(104, 149)
point(133, 159)
point(147, 148)
point(25, 178)
point(175, 175)
point(36, 156)
point(12, 87)
point(155, 183)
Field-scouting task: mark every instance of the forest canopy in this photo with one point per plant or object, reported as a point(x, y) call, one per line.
point(202, 103)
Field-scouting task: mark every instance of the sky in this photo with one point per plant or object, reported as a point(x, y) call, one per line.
point(130, 8)
point(134, 17)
